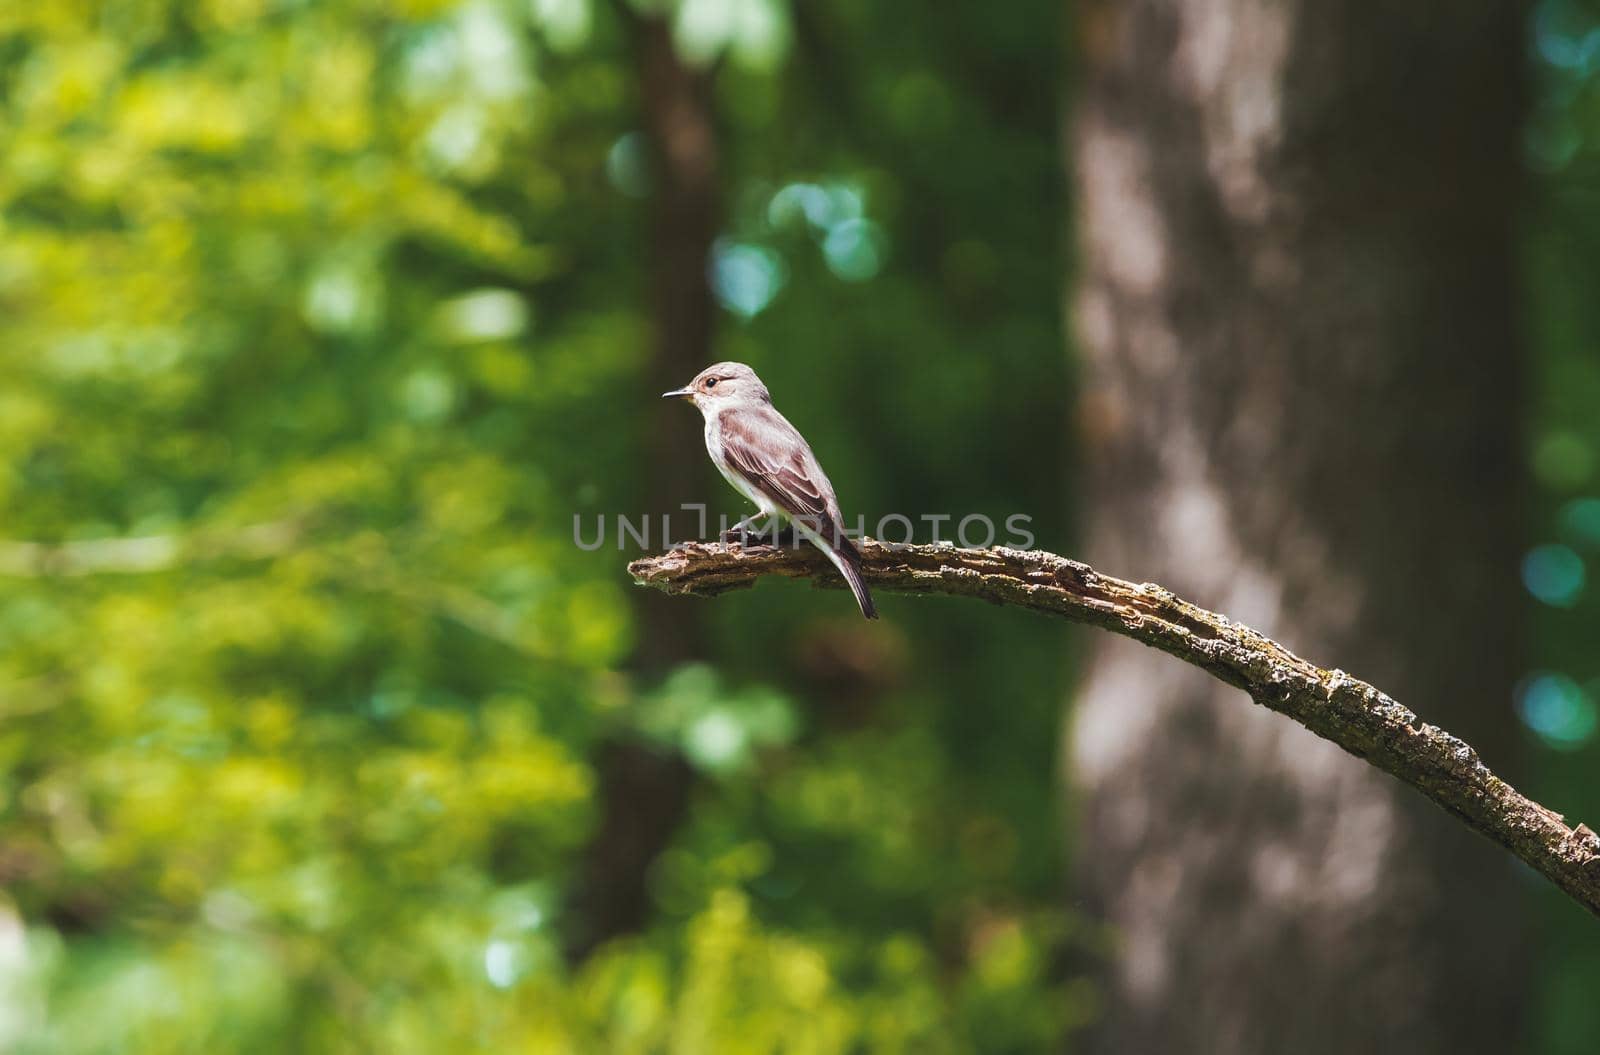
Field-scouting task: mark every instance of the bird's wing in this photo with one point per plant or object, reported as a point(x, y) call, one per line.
point(769, 452)
point(771, 456)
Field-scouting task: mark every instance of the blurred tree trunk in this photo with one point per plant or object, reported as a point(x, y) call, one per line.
point(644, 790)
point(1301, 408)
point(678, 108)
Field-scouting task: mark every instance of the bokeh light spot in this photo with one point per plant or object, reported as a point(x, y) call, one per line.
point(628, 166)
point(493, 56)
point(501, 963)
point(716, 740)
point(456, 141)
point(855, 250)
point(1580, 520)
point(845, 203)
point(1557, 709)
point(1563, 460)
point(755, 31)
point(1565, 36)
point(429, 62)
point(484, 315)
point(799, 202)
point(565, 22)
point(1554, 574)
point(1550, 140)
point(340, 299)
point(745, 278)
point(428, 395)
point(823, 207)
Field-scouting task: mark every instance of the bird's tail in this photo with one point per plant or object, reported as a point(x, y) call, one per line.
point(844, 556)
point(847, 559)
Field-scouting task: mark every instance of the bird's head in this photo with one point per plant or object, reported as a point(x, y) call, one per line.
point(721, 386)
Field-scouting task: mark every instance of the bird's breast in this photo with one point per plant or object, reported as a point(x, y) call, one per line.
point(736, 480)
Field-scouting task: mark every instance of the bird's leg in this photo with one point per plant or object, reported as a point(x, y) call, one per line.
point(742, 534)
point(783, 538)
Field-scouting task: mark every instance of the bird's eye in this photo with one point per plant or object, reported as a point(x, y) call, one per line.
point(711, 382)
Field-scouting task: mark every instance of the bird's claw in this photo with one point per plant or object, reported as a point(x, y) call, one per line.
point(751, 540)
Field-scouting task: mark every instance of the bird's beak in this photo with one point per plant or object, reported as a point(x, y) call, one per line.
point(679, 393)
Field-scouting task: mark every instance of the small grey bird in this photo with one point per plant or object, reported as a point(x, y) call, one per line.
point(767, 460)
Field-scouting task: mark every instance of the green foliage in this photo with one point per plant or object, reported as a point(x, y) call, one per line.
point(320, 323)
point(1560, 698)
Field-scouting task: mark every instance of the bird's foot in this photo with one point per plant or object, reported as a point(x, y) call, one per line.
point(784, 538)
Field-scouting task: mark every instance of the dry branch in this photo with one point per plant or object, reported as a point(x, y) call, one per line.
point(1330, 703)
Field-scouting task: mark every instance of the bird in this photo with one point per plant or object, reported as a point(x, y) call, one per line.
point(767, 460)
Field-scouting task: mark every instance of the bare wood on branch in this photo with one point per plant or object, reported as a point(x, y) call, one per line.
point(1331, 703)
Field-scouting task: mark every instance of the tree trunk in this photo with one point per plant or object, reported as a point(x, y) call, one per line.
point(644, 790)
point(1301, 407)
point(678, 109)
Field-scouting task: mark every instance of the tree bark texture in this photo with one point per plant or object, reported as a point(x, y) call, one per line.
point(1301, 403)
